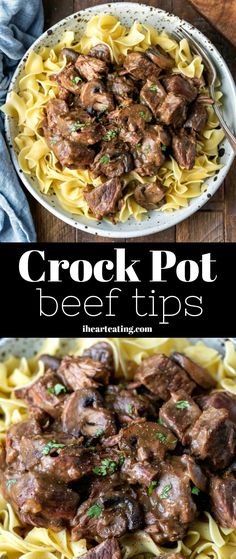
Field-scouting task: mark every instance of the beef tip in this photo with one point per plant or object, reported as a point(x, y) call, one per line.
point(127, 404)
point(91, 68)
point(113, 160)
point(102, 52)
point(65, 95)
point(179, 413)
point(169, 506)
point(152, 94)
point(50, 362)
point(103, 352)
point(78, 126)
point(148, 154)
point(109, 549)
point(40, 501)
point(83, 372)
point(103, 199)
point(161, 375)
point(121, 87)
point(47, 393)
point(28, 428)
point(219, 400)
point(172, 111)
point(140, 67)
point(213, 438)
point(112, 510)
point(68, 78)
point(150, 195)
point(83, 414)
point(142, 472)
point(180, 85)
point(223, 500)
point(197, 118)
point(55, 108)
point(94, 97)
point(69, 154)
point(160, 57)
point(195, 371)
point(70, 54)
point(184, 149)
point(146, 441)
point(132, 121)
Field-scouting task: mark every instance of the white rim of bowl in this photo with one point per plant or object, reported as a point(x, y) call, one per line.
point(176, 217)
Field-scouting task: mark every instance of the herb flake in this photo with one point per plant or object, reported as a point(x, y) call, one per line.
point(110, 135)
point(152, 486)
point(153, 87)
point(130, 409)
point(50, 446)
point(107, 467)
point(76, 80)
point(57, 389)
point(165, 491)
point(195, 490)
point(105, 159)
point(182, 405)
point(161, 436)
point(163, 148)
point(10, 482)
point(94, 511)
point(79, 125)
point(145, 116)
point(99, 432)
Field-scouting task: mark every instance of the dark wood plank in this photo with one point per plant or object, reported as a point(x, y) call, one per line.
point(221, 14)
point(206, 227)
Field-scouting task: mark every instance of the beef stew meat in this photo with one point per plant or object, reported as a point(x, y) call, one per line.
point(105, 118)
point(105, 457)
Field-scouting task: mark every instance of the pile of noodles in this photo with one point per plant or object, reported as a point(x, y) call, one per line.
point(36, 89)
point(205, 539)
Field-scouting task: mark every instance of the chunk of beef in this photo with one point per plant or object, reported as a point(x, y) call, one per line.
point(197, 118)
point(68, 78)
point(40, 501)
point(28, 428)
point(69, 154)
point(195, 371)
point(47, 393)
point(172, 111)
point(132, 121)
point(161, 375)
point(70, 54)
point(95, 98)
point(78, 126)
point(146, 441)
point(84, 414)
point(179, 413)
point(140, 67)
point(113, 160)
point(90, 68)
point(213, 438)
point(103, 352)
point(219, 400)
point(169, 507)
point(55, 108)
point(103, 199)
point(180, 85)
point(117, 512)
point(127, 404)
point(152, 94)
point(184, 148)
point(102, 52)
point(109, 549)
point(160, 57)
point(148, 154)
point(122, 87)
point(143, 472)
point(50, 362)
point(223, 500)
point(65, 95)
point(83, 372)
point(150, 195)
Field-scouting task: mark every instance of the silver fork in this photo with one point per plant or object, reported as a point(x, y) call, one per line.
point(211, 77)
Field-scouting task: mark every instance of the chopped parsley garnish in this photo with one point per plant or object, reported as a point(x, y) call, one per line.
point(110, 135)
point(51, 446)
point(152, 486)
point(138, 146)
point(145, 116)
point(165, 491)
point(107, 467)
point(160, 421)
point(54, 140)
point(163, 147)
point(10, 482)
point(57, 389)
point(121, 460)
point(161, 436)
point(153, 87)
point(99, 432)
point(182, 405)
point(79, 125)
point(147, 148)
point(130, 408)
point(195, 490)
point(76, 80)
point(94, 511)
point(105, 159)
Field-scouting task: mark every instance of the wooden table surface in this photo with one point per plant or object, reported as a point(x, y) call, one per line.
point(217, 220)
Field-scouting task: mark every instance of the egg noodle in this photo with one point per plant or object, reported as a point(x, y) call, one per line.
point(36, 89)
point(205, 539)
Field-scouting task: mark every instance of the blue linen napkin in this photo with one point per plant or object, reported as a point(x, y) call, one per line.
point(21, 22)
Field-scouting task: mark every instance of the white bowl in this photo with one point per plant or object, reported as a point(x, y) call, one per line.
point(153, 221)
